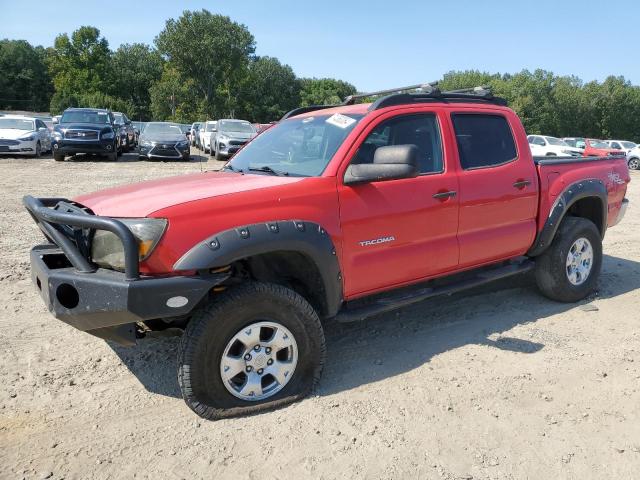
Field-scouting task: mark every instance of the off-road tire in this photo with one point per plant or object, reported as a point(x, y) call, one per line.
point(213, 326)
point(551, 270)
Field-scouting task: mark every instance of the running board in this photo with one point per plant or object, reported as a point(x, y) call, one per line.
point(393, 301)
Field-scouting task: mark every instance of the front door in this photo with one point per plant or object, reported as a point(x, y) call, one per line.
point(396, 232)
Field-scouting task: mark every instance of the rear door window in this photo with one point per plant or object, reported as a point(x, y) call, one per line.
point(484, 140)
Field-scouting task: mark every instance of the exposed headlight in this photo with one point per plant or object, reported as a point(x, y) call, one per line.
point(108, 135)
point(107, 249)
point(146, 143)
point(223, 138)
point(57, 135)
point(28, 138)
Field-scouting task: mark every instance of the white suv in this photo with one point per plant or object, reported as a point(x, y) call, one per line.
point(621, 145)
point(545, 146)
point(207, 135)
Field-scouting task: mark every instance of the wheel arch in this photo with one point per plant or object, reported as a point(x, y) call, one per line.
point(584, 199)
point(295, 253)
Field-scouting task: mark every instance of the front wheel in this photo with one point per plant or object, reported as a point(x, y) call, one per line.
point(634, 164)
point(568, 270)
point(219, 155)
point(256, 347)
point(38, 152)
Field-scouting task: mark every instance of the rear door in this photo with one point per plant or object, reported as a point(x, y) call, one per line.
point(396, 232)
point(498, 187)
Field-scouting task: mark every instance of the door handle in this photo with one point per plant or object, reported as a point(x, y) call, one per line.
point(521, 183)
point(444, 195)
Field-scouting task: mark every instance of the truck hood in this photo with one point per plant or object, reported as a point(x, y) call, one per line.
point(142, 199)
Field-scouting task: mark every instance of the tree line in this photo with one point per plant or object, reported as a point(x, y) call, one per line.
point(203, 66)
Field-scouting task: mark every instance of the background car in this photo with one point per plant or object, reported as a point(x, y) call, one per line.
point(633, 158)
point(599, 148)
point(88, 131)
point(207, 134)
point(20, 135)
point(543, 145)
point(163, 141)
point(195, 133)
point(621, 145)
point(231, 136)
point(575, 142)
point(127, 131)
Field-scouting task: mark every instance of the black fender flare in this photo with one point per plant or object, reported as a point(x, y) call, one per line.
point(307, 238)
point(593, 188)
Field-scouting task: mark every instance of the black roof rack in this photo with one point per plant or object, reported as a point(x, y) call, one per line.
point(428, 92)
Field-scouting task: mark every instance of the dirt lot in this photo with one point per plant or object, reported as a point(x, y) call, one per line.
point(499, 384)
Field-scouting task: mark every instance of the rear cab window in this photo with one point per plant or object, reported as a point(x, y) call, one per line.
point(484, 140)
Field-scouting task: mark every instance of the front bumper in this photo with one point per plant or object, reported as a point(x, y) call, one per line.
point(106, 304)
point(99, 301)
point(171, 153)
point(20, 148)
point(69, 147)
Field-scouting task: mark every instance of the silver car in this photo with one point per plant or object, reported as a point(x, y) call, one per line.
point(230, 136)
point(20, 135)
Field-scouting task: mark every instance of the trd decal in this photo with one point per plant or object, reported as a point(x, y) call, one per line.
point(368, 243)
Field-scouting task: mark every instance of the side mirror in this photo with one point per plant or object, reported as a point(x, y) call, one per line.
point(42, 129)
point(389, 163)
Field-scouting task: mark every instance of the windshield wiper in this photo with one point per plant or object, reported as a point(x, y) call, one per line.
point(232, 168)
point(268, 169)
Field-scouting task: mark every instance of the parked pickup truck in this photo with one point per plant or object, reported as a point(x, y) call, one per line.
point(341, 212)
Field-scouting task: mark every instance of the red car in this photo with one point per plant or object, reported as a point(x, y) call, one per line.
point(599, 148)
point(341, 212)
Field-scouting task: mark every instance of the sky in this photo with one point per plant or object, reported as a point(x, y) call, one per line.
point(374, 44)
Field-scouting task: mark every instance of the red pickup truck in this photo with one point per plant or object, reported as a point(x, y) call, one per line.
point(342, 211)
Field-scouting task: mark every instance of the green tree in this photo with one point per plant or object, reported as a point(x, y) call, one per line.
point(25, 83)
point(175, 98)
point(136, 68)
point(324, 91)
point(79, 65)
point(270, 90)
point(212, 51)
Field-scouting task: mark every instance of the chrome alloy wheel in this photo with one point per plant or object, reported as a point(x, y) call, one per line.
point(579, 261)
point(259, 361)
point(634, 164)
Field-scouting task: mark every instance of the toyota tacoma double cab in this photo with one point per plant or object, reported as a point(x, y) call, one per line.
point(337, 212)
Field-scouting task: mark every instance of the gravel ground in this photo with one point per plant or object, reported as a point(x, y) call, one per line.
point(499, 383)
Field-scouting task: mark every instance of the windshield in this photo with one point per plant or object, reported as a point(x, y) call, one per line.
point(556, 141)
point(239, 127)
point(210, 127)
point(16, 124)
point(298, 146)
point(598, 144)
point(85, 117)
point(118, 117)
point(628, 145)
point(162, 128)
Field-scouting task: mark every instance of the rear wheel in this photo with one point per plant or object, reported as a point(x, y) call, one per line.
point(257, 347)
point(58, 157)
point(219, 155)
point(634, 164)
point(568, 270)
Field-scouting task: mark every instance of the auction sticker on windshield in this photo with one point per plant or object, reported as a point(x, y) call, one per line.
point(341, 121)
